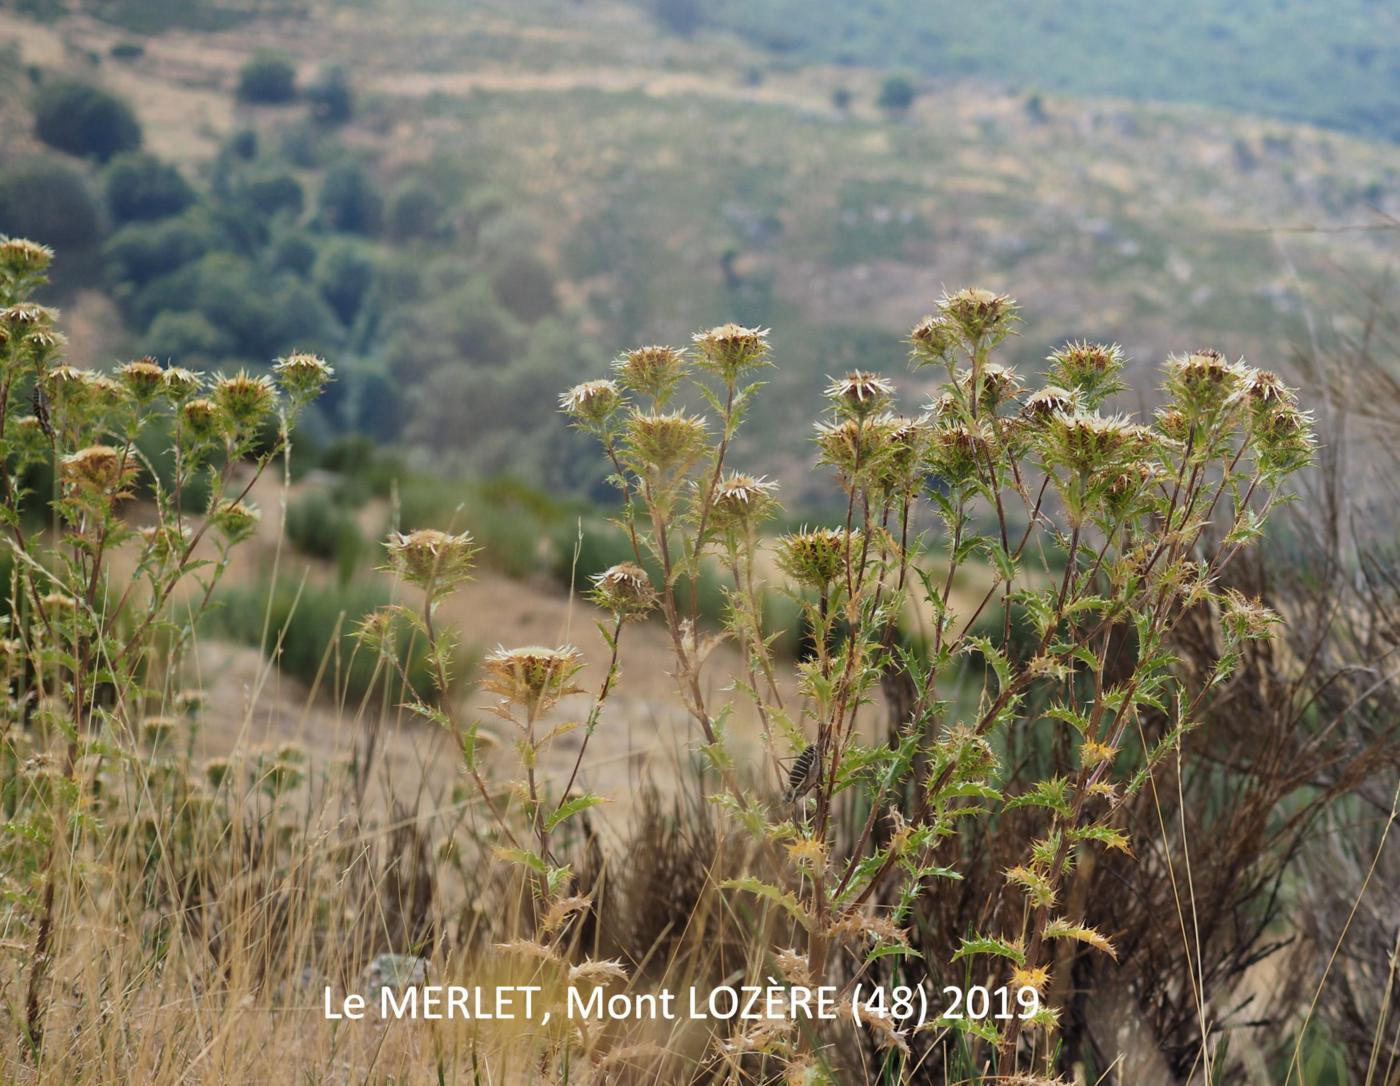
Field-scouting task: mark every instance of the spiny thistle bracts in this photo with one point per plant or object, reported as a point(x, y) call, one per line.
point(533, 677)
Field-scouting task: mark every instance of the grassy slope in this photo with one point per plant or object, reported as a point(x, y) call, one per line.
point(1332, 62)
point(647, 163)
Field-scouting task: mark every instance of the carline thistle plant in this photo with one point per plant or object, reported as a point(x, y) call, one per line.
point(89, 638)
point(1098, 533)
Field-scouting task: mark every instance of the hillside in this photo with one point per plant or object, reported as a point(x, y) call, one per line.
point(598, 182)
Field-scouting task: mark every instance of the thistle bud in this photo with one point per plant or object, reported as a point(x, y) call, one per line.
point(665, 440)
point(592, 403)
point(1284, 441)
point(245, 399)
point(741, 500)
point(989, 386)
point(1203, 381)
point(958, 452)
point(651, 371)
point(434, 561)
point(23, 259)
point(1088, 443)
point(181, 384)
point(1090, 369)
point(1047, 401)
point(983, 316)
point(933, 339)
point(203, 419)
point(815, 557)
point(303, 376)
point(859, 393)
point(533, 677)
point(144, 379)
point(625, 590)
point(95, 470)
point(731, 350)
point(236, 521)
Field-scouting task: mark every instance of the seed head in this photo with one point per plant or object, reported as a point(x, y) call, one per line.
point(302, 376)
point(235, 520)
point(157, 730)
point(957, 452)
point(144, 379)
point(533, 677)
point(625, 590)
point(217, 770)
point(651, 371)
point(665, 440)
point(815, 557)
point(1284, 441)
point(435, 561)
point(245, 399)
point(1087, 442)
point(592, 403)
point(981, 315)
point(731, 350)
point(24, 317)
point(165, 541)
point(1204, 381)
point(933, 339)
point(95, 470)
point(860, 393)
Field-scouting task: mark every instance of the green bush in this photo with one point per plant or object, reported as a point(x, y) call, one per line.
point(525, 285)
point(679, 16)
point(319, 527)
point(137, 254)
point(896, 94)
point(345, 274)
point(84, 120)
point(314, 624)
point(349, 200)
point(188, 337)
point(140, 186)
point(271, 191)
point(331, 99)
point(267, 79)
point(49, 201)
point(415, 211)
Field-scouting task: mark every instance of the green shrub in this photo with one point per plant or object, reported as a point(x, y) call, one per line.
point(141, 252)
point(84, 120)
point(140, 186)
point(267, 79)
point(187, 336)
point(344, 274)
point(331, 99)
point(525, 285)
point(321, 528)
point(897, 94)
point(49, 201)
point(271, 191)
point(415, 211)
point(349, 200)
point(304, 625)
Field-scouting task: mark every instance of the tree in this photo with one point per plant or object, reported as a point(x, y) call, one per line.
point(140, 186)
point(267, 79)
point(897, 94)
point(345, 273)
point(331, 99)
point(525, 286)
point(350, 201)
point(49, 201)
point(681, 17)
point(84, 120)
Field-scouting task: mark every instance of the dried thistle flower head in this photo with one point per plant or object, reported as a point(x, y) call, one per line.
point(181, 384)
point(742, 500)
point(591, 403)
point(651, 371)
point(934, 339)
point(245, 399)
point(957, 452)
point(731, 350)
point(303, 376)
point(1087, 442)
point(217, 771)
point(665, 440)
point(95, 470)
point(21, 258)
point(859, 448)
point(143, 378)
point(25, 317)
point(434, 561)
point(625, 590)
point(157, 730)
point(1284, 441)
point(860, 393)
point(815, 557)
point(235, 520)
point(1266, 393)
point(203, 419)
point(983, 316)
point(989, 385)
point(1204, 381)
point(1048, 401)
point(165, 541)
point(1245, 619)
point(533, 677)
point(1092, 370)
